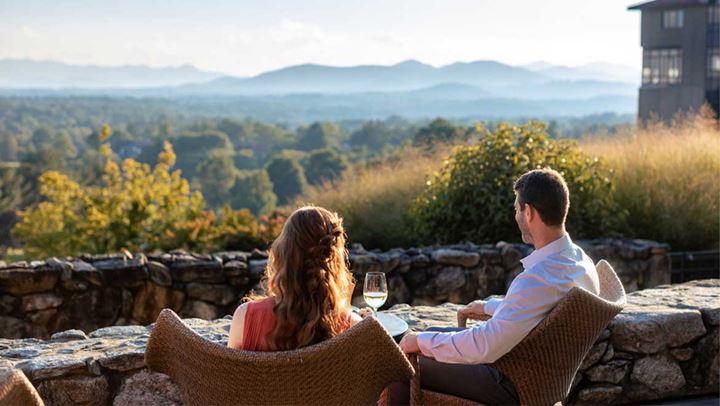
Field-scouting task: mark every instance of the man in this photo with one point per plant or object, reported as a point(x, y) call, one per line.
point(454, 359)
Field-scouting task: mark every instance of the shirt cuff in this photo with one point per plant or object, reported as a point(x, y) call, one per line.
point(491, 305)
point(424, 341)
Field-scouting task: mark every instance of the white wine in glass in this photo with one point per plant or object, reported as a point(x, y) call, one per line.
point(375, 290)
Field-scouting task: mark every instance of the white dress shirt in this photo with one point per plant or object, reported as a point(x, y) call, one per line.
point(548, 274)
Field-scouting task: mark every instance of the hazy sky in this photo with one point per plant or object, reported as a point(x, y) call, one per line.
point(245, 37)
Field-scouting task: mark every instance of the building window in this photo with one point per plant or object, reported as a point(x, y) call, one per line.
point(714, 63)
point(673, 18)
point(662, 66)
point(714, 14)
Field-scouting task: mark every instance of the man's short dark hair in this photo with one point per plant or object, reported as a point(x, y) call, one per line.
point(546, 191)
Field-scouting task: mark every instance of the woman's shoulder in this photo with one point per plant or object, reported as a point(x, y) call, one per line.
point(261, 304)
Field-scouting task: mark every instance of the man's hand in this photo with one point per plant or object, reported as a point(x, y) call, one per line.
point(409, 343)
point(473, 310)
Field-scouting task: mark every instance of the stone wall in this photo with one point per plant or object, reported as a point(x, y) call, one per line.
point(663, 345)
point(39, 298)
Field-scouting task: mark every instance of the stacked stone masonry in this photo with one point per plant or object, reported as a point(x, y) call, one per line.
point(663, 345)
point(39, 298)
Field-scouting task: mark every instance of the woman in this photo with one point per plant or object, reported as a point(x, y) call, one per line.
point(309, 288)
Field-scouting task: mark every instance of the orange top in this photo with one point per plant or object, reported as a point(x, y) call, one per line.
point(259, 321)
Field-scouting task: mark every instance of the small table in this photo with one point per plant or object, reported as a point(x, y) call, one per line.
point(394, 325)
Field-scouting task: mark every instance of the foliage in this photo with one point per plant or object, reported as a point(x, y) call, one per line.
point(667, 179)
point(471, 196)
point(439, 130)
point(137, 208)
point(373, 135)
point(287, 176)
point(319, 135)
point(324, 165)
point(215, 177)
point(374, 200)
point(253, 190)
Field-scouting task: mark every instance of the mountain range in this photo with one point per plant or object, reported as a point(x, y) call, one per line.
point(409, 87)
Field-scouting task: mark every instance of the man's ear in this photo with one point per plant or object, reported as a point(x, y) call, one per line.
point(530, 213)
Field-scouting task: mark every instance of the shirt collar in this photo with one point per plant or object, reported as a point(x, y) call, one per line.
point(554, 247)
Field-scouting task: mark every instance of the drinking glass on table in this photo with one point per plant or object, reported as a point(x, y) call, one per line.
point(375, 290)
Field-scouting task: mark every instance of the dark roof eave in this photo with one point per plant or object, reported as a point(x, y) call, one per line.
point(661, 4)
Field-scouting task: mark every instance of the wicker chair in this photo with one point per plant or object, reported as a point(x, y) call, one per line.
point(543, 365)
point(15, 389)
point(351, 368)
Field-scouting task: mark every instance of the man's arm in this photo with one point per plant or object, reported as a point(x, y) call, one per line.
point(528, 301)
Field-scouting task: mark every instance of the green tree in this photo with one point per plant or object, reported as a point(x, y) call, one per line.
point(215, 177)
point(287, 176)
point(373, 134)
point(319, 135)
point(8, 147)
point(324, 165)
point(439, 130)
point(137, 207)
point(253, 190)
point(471, 197)
point(244, 159)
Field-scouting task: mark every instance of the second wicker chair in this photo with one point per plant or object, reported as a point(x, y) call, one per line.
point(543, 365)
point(351, 368)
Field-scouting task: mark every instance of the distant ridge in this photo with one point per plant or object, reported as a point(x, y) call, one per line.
point(26, 73)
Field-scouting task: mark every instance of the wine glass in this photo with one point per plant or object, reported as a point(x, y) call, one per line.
point(375, 290)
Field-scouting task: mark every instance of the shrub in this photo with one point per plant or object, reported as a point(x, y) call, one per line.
point(137, 208)
point(374, 200)
point(471, 197)
point(667, 179)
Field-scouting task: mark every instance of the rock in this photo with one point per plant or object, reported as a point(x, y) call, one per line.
point(445, 281)
point(87, 272)
point(258, 254)
point(236, 269)
point(42, 317)
point(151, 299)
point(682, 354)
point(398, 291)
point(701, 295)
point(124, 360)
point(233, 256)
point(159, 273)
point(658, 271)
point(69, 335)
point(599, 395)
point(80, 390)
point(649, 329)
point(389, 261)
point(456, 257)
point(190, 269)
point(218, 294)
point(21, 281)
point(40, 301)
point(118, 331)
point(89, 310)
point(609, 354)
point(10, 327)
point(612, 372)
point(74, 285)
point(659, 373)
point(148, 388)
point(8, 304)
point(593, 356)
point(364, 263)
point(257, 268)
point(51, 366)
point(64, 267)
point(419, 261)
point(123, 272)
point(201, 310)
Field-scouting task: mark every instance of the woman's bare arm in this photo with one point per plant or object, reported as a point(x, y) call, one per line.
point(236, 327)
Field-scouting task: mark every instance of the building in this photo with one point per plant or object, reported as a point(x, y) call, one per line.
point(681, 57)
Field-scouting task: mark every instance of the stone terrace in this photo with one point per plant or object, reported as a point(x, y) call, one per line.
point(663, 345)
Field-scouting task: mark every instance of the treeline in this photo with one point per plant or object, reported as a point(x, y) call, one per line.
point(234, 161)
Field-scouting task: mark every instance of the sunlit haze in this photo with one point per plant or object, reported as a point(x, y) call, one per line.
point(248, 37)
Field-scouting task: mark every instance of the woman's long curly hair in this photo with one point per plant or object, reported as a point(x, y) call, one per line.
point(308, 276)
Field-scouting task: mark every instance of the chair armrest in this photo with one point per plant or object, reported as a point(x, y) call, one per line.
point(415, 391)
